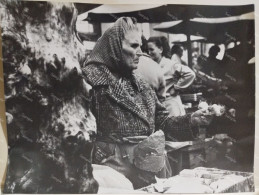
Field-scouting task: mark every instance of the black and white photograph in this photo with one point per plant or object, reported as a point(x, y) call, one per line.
point(128, 98)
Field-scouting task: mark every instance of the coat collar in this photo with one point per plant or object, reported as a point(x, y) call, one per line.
point(99, 75)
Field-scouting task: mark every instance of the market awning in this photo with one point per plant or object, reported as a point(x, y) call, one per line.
point(110, 13)
point(247, 16)
point(85, 7)
point(252, 61)
point(181, 38)
point(121, 8)
point(215, 30)
point(163, 13)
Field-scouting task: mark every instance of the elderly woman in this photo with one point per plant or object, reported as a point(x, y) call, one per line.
point(127, 110)
point(177, 75)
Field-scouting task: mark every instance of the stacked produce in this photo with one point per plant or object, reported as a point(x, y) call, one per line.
point(204, 180)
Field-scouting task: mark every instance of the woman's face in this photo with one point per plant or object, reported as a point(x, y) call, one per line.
point(131, 50)
point(180, 52)
point(154, 51)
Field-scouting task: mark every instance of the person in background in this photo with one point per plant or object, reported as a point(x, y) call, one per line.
point(212, 66)
point(177, 53)
point(127, 110)
point(177, 76)
point(200, 63)
point(150, 71)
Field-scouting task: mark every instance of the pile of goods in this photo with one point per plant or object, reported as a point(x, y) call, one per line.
point(214, 109)
point(204, 180)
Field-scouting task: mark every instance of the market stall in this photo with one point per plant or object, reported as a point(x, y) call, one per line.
point(75, 127)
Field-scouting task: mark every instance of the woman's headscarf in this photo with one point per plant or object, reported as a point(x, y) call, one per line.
point(108, 49)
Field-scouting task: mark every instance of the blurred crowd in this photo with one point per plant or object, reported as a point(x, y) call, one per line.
point(181, 86)
point(230, 82)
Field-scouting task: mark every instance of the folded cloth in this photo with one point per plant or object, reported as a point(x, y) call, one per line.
point(110, 178)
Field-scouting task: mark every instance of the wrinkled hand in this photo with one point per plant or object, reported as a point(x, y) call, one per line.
point(201, 117)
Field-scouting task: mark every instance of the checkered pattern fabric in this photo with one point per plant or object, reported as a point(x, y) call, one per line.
point(122, 103)
point(108, 48)
point(122, 111)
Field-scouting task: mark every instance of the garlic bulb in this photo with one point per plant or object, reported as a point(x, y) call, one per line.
point(203, 105)
point(216, 109)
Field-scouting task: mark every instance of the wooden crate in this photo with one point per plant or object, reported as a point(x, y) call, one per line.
point(189, 157)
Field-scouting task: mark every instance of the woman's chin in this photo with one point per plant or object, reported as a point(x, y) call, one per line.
point(131, 67)
point(134, 67)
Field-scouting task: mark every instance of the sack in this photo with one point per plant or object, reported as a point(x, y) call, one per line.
point(149, 154)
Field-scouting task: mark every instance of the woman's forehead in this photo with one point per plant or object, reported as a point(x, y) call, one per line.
point(151, 44)
point(133, 35)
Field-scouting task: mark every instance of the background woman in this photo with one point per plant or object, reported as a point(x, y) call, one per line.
point(151, 71)
point(177, 53)
point(177, 76)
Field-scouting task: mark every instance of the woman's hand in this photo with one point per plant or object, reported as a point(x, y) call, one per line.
point(201, 117)
point(173, 92)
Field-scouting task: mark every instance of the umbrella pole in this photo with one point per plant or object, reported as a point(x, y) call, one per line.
point(189, 50)
point(189, 46)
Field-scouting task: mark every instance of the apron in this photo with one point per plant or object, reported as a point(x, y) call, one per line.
point(139, 158)
point(174, 106)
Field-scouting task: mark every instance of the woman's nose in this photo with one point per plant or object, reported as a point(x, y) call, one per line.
point(139, 52)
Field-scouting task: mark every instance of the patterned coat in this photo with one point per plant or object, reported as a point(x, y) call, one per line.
point(121, 112)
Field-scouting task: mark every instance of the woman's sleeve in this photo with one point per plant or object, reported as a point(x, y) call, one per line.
point(175, 128)
point(186, 76)
point(161, 89)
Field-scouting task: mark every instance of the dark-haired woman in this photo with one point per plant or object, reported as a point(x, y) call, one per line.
point(177, 76)
point(177, 53)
